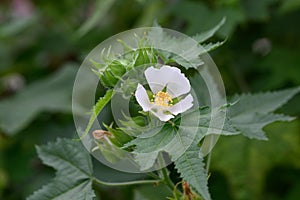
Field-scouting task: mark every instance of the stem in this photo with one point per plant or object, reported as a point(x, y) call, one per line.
point(126, 183)
point(153, 175)
point(166, 178)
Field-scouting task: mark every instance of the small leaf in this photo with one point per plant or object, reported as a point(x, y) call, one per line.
point(97, 109)
point(74, 172)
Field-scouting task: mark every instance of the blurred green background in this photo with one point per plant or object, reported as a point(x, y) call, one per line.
point(42, 44)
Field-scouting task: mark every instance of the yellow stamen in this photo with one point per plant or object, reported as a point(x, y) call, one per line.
point(163, 99)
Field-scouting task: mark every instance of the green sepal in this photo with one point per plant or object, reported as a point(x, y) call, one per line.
point(111, 152)
point(119, 137)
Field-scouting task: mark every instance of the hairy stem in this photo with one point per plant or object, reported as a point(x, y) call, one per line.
point(166, 179)
point(126, 182)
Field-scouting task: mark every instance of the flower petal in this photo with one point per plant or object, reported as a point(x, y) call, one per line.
point(177, 83)
point(155, 78)
point(182, 105)
point(161, 115)
point(142, 98)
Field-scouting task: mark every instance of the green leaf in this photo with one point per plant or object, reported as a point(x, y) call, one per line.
point(252, 112)
point(205, 124)
point(212, 46)
point(168, 138)
point(156, 142)
point(202, 37)
point(74, 171)
point(168, 46)
point(52, 94)
point(192, 169)
point(176, 139)
point(146, 160)
point(97, 109)
point(251, 125)
point(261, 102)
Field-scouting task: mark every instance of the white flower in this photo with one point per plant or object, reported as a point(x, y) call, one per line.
point(166, 84)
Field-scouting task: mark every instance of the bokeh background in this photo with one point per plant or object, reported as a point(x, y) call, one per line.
point(42, 44)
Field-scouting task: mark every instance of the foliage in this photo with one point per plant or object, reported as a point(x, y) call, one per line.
point(260, 54)
point(253, 112)
point(74, 171)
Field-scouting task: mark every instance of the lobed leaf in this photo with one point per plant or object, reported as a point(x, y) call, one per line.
point(261, 102)
point(251, 126)
point(254, 111)
point(74, 171)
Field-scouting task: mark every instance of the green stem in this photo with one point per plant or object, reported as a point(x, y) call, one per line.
point(126, 183)
point(169, 182)
point(153, 175)
point(166, 178)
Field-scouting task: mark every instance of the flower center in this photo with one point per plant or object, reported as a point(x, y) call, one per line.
point(163, 99)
